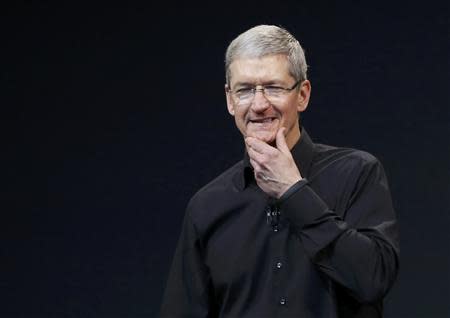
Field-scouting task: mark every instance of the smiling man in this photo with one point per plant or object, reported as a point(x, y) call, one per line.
point(295, 229)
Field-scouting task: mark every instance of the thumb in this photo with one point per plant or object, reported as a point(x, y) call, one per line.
point(281, 141)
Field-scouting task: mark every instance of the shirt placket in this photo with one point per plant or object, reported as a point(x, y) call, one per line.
point(273, 220)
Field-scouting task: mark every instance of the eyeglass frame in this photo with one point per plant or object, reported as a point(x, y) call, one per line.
point(263, 88)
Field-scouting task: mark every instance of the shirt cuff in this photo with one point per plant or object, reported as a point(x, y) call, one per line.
point(302, 205)
point(294, 188)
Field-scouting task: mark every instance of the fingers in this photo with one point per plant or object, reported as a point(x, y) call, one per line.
point(255, 165)
point(260, 164)
point(259, 172)
point(259, 146)
point(281, 141)
point(257, 157)
point(262, 152)
point(262, 147)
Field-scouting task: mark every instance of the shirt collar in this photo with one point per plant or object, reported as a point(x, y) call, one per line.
point(302, 152)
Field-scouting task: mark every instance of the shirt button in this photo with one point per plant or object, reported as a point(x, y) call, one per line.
point(283, 301)
point(279, 265)
point(275, 228)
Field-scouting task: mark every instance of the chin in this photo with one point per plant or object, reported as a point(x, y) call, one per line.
point(267, 137)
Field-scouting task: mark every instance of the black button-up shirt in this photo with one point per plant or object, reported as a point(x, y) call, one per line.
point(327, 248)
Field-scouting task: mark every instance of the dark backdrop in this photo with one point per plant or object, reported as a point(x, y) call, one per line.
point(113, 116)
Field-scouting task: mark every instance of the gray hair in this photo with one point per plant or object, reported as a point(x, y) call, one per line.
point(263, 40)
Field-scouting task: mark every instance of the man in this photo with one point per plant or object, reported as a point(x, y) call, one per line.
point(295, 229)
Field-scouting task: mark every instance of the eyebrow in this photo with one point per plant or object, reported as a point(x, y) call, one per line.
point(266, 83)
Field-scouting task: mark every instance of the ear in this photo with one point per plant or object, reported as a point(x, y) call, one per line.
point(303, 96)
point(230, 104)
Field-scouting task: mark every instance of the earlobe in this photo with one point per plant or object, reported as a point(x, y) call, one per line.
point(230, 108)
point(303, 96)
point(230, 105)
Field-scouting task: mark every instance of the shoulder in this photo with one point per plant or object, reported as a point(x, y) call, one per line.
point(340, 174)
point(344, 157)
point(215, 192)
point(343, 163)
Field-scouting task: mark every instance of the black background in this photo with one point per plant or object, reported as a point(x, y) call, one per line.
point(113, 116)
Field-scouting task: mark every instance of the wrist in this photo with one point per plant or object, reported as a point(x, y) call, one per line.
point(292, 189)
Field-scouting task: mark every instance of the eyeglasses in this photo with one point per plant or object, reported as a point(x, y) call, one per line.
point(245, 95)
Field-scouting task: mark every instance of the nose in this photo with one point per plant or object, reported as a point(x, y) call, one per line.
point(260, 102)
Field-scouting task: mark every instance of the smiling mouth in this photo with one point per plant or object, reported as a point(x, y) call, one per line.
point(262, 120)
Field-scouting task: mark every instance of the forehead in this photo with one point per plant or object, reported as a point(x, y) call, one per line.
point(260, 70)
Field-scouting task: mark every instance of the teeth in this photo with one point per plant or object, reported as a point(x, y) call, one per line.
point(266, 120)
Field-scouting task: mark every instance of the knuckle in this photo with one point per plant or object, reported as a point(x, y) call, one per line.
point(263, 160)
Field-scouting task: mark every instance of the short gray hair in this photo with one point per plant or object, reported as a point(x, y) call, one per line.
point(263, 40)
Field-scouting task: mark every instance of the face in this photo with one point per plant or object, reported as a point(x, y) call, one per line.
point(262, 118)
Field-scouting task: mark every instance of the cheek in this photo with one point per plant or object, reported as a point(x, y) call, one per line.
point(290, 114)
point(240, 117)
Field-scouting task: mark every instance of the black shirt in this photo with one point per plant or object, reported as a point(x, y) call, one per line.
point(327, 248)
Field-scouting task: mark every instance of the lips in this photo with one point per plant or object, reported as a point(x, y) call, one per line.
point(266, 120)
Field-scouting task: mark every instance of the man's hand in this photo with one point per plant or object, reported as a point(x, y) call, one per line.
point(275, 169)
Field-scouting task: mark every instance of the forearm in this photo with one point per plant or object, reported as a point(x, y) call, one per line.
point(362, 258)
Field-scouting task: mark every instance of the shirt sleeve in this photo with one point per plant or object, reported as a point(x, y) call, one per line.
point(187, 288)
point(358, 250)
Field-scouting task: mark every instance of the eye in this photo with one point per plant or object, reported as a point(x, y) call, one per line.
point(274, 90)
point(243, 90)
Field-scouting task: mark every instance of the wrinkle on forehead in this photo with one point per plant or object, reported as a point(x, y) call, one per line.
point(258, 71)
